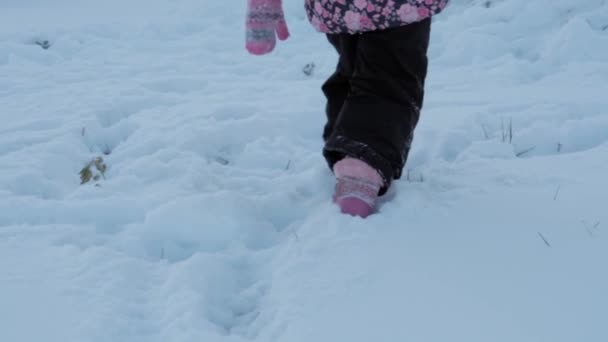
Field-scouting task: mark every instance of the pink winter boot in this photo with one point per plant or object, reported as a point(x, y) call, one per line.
point(357, 187)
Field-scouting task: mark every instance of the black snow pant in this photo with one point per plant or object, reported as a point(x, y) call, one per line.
point(375, 96)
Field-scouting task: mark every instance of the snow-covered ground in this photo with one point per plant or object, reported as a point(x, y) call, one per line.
point(213, 220)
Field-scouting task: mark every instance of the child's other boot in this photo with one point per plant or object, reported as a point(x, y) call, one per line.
point(357, 187)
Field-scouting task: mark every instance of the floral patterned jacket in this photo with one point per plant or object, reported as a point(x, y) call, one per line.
point(356, 16)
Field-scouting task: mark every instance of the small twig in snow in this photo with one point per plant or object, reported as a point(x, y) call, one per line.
point(519, 154)
point(507, 132)
point(485, 132)
point(288, 165)
point(309, 69)
point(545, 240)
point(222, 160)
point(510, 130)
point(591, 229)
point(45, 44)
point(557, 192)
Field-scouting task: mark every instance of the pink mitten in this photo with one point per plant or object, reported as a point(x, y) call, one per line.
point(265, 18)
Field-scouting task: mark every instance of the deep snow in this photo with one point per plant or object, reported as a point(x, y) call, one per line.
point(214, 221)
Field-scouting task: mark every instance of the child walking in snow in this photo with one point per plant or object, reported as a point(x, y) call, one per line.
point(375, 95)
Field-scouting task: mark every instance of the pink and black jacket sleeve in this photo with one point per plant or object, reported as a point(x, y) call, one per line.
point(357, 16)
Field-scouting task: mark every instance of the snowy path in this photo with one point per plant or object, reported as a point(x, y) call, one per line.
point(213, 221)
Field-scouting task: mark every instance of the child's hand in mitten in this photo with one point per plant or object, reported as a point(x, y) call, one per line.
point(265, 21)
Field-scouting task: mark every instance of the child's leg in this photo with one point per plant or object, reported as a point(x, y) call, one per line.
point(377, 120)
point(336, 88)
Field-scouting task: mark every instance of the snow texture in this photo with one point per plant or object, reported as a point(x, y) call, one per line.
point(213, 220)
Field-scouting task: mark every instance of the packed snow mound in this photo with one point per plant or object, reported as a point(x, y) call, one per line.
point(157, 183)
point(548, 32)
